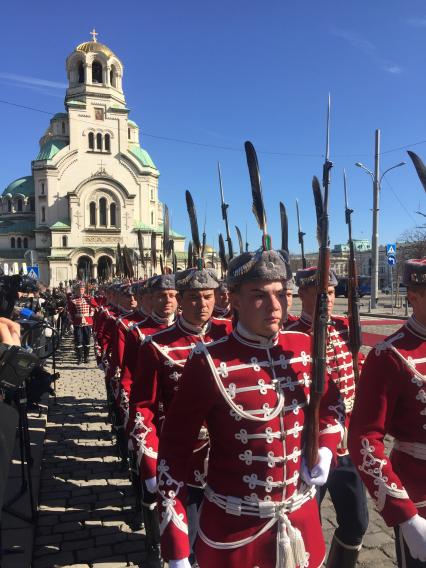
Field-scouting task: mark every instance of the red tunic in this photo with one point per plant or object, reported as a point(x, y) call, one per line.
point(134, 338)
point(122, 326)
point(161, 359)
point(252, 395)
point(80, 310)
point(391, 399)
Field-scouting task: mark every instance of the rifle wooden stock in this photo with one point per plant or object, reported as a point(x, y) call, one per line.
point(319, 357)
point(353, 312)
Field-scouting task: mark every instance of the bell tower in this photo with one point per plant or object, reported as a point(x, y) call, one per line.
point(93, 70)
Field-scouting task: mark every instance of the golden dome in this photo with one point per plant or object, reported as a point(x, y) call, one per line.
point(209, 249)
point(94, 47)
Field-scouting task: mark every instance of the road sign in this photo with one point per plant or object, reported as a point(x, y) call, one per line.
point(32, 272)
point(391, 259)
point(391, 249)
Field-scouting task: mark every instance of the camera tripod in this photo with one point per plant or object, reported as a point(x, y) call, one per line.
point(20, 399)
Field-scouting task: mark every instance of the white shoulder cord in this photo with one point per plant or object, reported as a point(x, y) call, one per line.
point(201, 347)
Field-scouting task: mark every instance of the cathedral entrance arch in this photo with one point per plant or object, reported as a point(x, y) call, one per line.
point(84, 268)
point(104, 268)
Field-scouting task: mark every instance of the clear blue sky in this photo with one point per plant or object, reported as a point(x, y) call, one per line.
point(221, 72)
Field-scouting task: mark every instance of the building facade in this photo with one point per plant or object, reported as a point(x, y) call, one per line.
point(92, 185)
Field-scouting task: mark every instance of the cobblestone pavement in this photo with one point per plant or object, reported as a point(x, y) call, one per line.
point(85, 500)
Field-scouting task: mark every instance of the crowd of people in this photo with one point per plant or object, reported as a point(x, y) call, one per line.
point(208, 385)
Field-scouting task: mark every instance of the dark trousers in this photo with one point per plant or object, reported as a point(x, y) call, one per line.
point(348, 495)
point(82, 336)
point(405, 560)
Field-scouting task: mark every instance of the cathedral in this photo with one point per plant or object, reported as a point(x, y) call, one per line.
point(92, 185)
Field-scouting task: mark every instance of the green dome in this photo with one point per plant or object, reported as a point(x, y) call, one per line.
point(24, 185)
point(142, 156)
point(50, 148)
point(59, 115)
point(132, 123)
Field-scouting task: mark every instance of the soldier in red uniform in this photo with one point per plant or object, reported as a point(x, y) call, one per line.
point(80, 309)
point(289, 318)
point(222, 307)
point(251, 389)
point(163, 301)
point(344, 484)
point(161, 359)
point(391, 399)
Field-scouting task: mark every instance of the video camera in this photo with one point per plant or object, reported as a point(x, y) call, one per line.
point(10, 286)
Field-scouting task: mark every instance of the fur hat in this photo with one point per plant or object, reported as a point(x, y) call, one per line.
point(414, 272)
point(162, 282)
point(269, 265)
point(194, 279)
point(308, 277)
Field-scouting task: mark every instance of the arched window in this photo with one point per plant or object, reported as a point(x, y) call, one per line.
point(80, 72)
point(113, 215)
point(31, 202)
point(64, 241)
point(128, 133)
point(25, 242)
point(103, 212)
point(42, 188)
point(91, 141)
point(63, 127)
point(107, 143)
point(9, 206)
point(92, 211)
point(99, 141)
point(19, 243)
point(43, 214)
point(113, 76)
point(19, 205)
point(12, 242)
point(97, 72)
point(152, 217)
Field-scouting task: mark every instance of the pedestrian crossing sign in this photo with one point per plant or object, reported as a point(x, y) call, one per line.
point(391, 249)
point(32, 272)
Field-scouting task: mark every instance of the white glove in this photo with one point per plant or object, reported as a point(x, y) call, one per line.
point(319, 473)
point(414, 533)
point(184, 563)
point(151, 485)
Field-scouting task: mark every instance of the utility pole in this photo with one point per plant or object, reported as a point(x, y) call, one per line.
point(375, 235)
point(377, 182)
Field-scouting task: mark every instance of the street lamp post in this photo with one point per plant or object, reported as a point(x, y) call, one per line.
point(377, 181)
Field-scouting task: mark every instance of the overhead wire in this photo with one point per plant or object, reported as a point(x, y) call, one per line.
point(220, 147)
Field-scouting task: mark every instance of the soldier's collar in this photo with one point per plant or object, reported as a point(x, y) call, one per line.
point(193, 329)
point(241, 333)
point(416, 326)
point(159, 319)
point(304, 316)
point(222, 311)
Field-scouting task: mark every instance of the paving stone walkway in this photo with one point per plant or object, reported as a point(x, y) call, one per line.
point(85, 500)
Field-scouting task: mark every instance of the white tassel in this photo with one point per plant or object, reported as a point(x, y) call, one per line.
point(292, 552)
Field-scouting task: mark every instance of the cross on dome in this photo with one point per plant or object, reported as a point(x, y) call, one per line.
point(94, 33)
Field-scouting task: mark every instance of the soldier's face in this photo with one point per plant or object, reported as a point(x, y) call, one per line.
point(197, 305)
point(221, 298)
point(145, 302)
point(308, 295)
point(289, 297)
point(128, 301)
point(261, 306)
point(164, 302)
point(417, 299)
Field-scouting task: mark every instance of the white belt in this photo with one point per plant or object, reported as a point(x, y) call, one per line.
point(290, 546)
point(261, 509)
point(414, 449)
